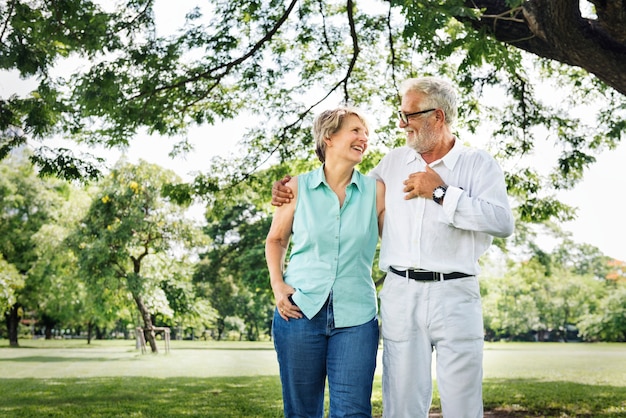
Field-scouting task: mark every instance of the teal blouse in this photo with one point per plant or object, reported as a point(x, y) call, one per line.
point(333, 248)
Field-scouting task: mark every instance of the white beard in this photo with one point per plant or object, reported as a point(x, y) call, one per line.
point(423, 141)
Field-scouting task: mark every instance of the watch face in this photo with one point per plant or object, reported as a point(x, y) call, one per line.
point(438, 194)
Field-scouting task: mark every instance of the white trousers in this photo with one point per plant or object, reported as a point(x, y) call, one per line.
point(418, 317)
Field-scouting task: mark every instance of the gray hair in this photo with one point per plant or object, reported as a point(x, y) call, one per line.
point(438, 94)
point(328, 123)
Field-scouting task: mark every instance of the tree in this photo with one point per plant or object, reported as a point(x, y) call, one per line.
point(617, 271)
point(557, 30)
point(129, 237)
point(608, 323)
point(59, 293)
point(564, 299)
point(27, 204)
point(56, 293)
point(233, 272)
point(222, 293)
point(549, 293)
point(279, 61)
point(509, 306)
point(10, 283)
point(582, 259)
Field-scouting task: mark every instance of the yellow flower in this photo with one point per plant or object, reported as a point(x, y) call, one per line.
point(106, 199)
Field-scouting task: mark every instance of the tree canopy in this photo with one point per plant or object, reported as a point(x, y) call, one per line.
point(276, 63)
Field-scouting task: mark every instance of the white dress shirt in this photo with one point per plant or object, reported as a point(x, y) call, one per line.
point(421, 234)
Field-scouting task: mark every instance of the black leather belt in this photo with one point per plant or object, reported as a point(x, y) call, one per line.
point(430, 276)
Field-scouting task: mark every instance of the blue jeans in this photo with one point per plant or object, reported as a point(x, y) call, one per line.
point(308, 351)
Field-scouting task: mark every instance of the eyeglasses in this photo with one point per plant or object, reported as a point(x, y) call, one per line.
point(404, 117)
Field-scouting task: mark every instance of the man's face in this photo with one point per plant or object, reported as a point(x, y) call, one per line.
point(421, 135)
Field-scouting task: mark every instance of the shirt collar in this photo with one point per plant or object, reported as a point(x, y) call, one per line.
point(318, 177)
point(449, 160)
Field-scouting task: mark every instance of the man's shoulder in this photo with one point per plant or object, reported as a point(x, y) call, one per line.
point(395, 153)
point(393, 159)
point(469, 151)
point(476, 157)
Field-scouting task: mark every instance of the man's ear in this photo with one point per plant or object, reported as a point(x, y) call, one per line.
point(440, 116)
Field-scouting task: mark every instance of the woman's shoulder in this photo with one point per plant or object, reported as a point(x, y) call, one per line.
point(293, 182)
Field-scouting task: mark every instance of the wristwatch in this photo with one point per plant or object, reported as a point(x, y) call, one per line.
point(439, 193)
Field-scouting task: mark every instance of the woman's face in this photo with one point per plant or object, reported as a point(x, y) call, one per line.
point(350, 141)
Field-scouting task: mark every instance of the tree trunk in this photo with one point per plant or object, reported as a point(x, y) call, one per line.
point(100, 333)
point(148, 327)
point(89, 331)
point(49, 325)
point(12, 318)
point(220, 328)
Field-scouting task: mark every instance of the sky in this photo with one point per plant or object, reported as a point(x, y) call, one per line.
point(600, 221)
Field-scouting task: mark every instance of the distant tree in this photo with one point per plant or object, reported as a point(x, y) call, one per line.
point(233, 270)
point(57, 294)
point(509, 306)
point(582, 258)
point(526, 299)
point(60, 294)
point(608, 323)
point(617, 271)
point(10, 283)
point(129, 236)
point(222, 293)
point(27, 204)
point(565, 298)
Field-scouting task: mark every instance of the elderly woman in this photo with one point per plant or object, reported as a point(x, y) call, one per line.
point(325, 323)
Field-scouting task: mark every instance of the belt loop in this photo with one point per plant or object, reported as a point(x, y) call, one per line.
point(441, 277)
point(406, 274)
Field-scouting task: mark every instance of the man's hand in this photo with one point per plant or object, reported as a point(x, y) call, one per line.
point(281, 193)
point(421, 184)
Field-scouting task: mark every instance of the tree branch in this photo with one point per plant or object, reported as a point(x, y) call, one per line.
point(392, 50)
point(343, 82)
point(355, 48)
point(324, 31)
point(227, 67)
point(556, 30)
point(8, 19)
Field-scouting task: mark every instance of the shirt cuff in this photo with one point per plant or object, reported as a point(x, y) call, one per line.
point(450, 203)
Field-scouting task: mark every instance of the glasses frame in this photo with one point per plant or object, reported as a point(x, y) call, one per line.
point(404, 117)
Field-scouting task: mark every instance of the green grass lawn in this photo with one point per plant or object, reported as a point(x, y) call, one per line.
point(68, 378)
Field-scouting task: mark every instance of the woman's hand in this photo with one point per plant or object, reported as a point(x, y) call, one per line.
point(286, 308)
